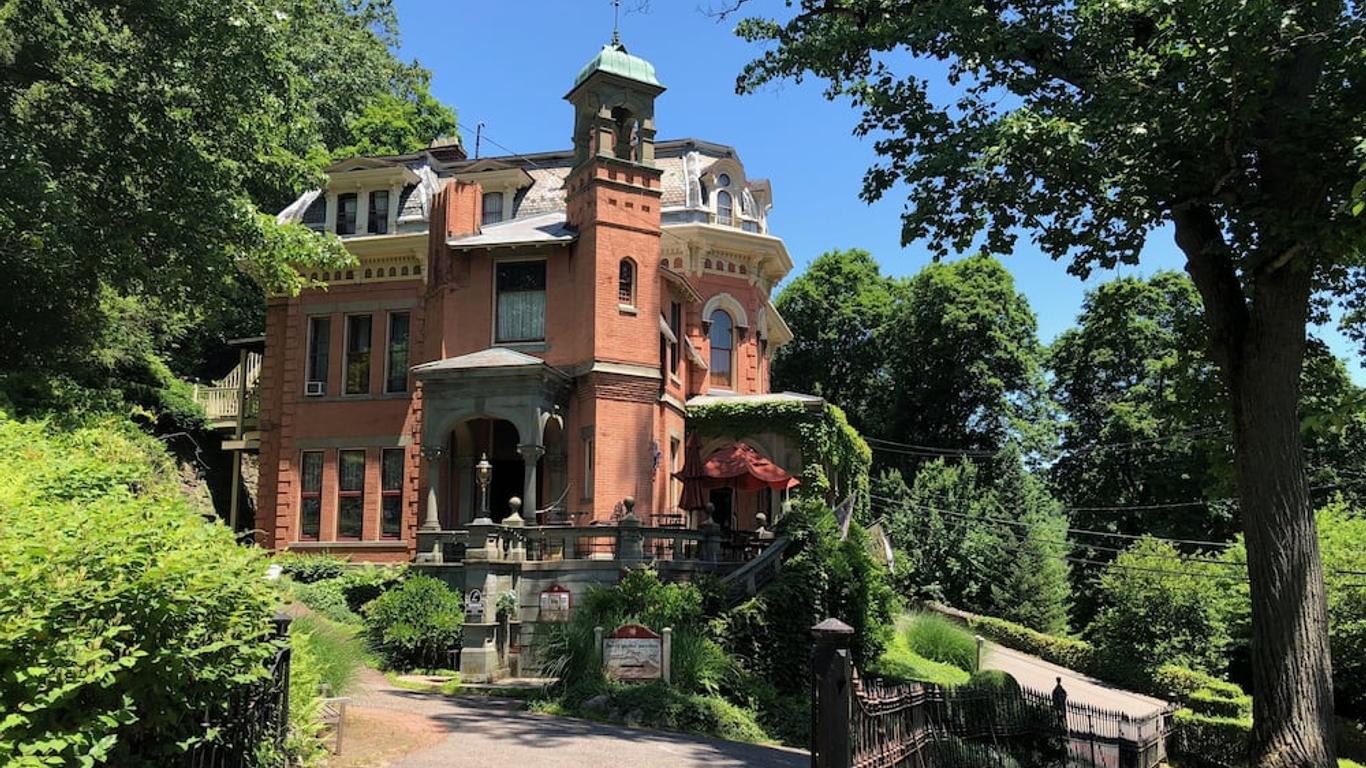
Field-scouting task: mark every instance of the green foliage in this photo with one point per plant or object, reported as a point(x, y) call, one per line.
point(125, 617)
point(900, 661)
point(327, 598)
point(415, 624)
point(832, 449)
point(660, 705)
point(307, 569)
point(965, 321)
point(338, 650)
point(1063, 651)
point(1206, 740)
point(957, 549)
point(938, 639)
point(361, 585)
point(1157, 609)
point(1342, 547)
point(1176, 682)
point(303, 743)
point(837, 309)
point(1207, 702)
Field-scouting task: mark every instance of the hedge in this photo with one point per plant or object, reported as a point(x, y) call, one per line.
point(125, 617)
point(1206, 740)
point(1173, 681)
point(1206, 702)
point(1064, 651)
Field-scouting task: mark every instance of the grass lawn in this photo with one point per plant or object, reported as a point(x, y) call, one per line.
point(901, 661)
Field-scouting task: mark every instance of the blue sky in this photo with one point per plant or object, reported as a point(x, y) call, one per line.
point(509, 64)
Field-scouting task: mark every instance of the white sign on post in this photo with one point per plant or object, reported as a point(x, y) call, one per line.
point(633, 652)
point(474, 606)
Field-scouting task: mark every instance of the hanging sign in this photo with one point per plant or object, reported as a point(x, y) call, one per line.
point(555, 601)
point(634, 652)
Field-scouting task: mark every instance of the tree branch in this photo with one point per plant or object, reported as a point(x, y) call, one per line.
point(1211, 268)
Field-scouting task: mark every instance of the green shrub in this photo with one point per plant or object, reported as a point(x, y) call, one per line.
point(415, 625)
point(125, 617)
point(303, 743)
point(938, 639)
point(365, 583)
point(700, 665)
point(1173, 681)
point(663, 706)
point(307, 569)
point(899, 662)
point(1064, 651)
point(1206, 702)
point(339, 651)
point(328, 598)
point(1213, 741)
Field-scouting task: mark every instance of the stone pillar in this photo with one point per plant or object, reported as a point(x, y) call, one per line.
point(433, 454)
point(394, 192)
point(465, 489)
point(363, 212)
point(556, 468)
point(630, 541)
point(330, 214)
point(530, 455)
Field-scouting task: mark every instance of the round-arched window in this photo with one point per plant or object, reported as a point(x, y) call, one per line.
point(724, 208)
point(723, 180)
point(626, 283)
point(722, 337)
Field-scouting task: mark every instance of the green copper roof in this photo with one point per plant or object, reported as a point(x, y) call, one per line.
point(613, 58)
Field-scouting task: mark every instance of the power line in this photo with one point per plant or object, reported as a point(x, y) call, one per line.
point(1021, 524)
point(894, 446)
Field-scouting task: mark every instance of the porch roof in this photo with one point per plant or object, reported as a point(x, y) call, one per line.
point(810, 401)
point(491, 359)
point(544, 229)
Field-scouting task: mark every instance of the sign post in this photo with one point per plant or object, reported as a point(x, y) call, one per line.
point(634, 653)
point(555, 604)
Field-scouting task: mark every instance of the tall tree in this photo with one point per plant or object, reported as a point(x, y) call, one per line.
point(837, 309)
point(1089, 124)
point(965, 362)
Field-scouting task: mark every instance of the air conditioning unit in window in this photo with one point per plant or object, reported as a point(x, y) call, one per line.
point(315, 388)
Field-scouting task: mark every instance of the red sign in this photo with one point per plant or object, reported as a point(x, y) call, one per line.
point(634, 631)
point(633, 652)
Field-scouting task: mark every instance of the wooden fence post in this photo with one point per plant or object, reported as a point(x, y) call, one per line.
point(832, 696)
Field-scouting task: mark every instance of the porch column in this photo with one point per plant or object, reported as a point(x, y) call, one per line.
point(433, 453)
point(530, 455)
point(464, 489)
point(555, 466)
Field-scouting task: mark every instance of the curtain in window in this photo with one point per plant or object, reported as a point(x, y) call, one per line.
point(521, 301)
point(396, 379)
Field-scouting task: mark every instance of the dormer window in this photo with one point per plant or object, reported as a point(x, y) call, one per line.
point(346, 214)
point(723, 180)
point(492, 208)
point(378, 219)
point(725, 207)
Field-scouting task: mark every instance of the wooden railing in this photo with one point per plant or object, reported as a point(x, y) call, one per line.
point(746, 581)
point(220, 403)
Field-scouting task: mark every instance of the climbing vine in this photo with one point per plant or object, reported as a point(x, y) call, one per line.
point(836, 458)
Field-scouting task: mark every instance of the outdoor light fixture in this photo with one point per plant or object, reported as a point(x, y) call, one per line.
point(483, 473)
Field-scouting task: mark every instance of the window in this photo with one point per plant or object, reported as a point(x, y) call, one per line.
point(722, 337)
point(379, 212)
point(319, 343)
point(311, 495)
point(350, 494)
point(588, 459)
point(396, 365)
point(723, 180)
point(521, 302)
point(357, 354)
point(346, 214)
point(626, 283)
point(724, 208)
point(493, 208)
point(675, 325)
point(391, 493)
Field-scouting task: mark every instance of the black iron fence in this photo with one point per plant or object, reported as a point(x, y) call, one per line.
point(249, 728)
point(860, 723)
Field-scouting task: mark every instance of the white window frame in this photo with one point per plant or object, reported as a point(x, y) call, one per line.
point(493, 302)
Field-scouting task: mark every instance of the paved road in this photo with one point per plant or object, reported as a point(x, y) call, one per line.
point(1040, 675)
point(495, 732)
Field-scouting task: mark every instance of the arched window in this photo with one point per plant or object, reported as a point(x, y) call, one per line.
point(724, 207)
point(722, 337)
point(626, 283)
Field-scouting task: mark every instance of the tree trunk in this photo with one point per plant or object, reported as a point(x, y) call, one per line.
point(1259, 346)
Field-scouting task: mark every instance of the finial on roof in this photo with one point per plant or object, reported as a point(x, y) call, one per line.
point(616, 22)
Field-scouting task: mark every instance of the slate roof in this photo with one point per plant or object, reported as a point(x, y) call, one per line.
point(545, 229)
point(493, 357)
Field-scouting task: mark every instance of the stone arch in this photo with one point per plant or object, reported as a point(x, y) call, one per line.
point(730, 304)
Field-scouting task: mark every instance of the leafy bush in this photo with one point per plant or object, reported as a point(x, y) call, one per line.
point(900, 662)
point(663, 706)
point(307, 569)
point(125, 617)
point(416, 624)
point(1173, 681)
point(938, 639)
point(328, 598)
point(1064, 651)
point(1157, 608)
point(1205, 740)
point(365, 583)
point(1207, 702)
point(303, 743)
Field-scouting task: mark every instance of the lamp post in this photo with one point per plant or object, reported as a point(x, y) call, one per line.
point(483, 473)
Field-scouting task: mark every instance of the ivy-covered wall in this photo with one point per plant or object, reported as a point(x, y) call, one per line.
point(836, 459)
